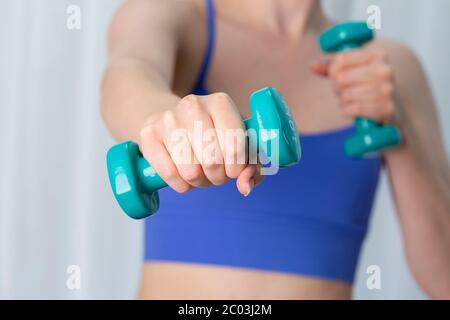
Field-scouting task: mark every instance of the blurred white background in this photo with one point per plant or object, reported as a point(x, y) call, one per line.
point(56, 208)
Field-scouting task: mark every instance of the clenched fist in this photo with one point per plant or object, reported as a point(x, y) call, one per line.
point(364, 82)
point(209, 158)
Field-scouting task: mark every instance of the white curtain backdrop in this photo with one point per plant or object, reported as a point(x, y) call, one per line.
point(56, 209)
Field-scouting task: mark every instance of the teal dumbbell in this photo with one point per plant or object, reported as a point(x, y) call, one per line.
point(135, 184)
point(370, 136)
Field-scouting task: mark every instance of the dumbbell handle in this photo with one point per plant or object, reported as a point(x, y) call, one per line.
point(149, 178)
point(349, 46)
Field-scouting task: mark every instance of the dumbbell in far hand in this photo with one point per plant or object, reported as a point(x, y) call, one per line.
point(370, 136)
point(135, 184)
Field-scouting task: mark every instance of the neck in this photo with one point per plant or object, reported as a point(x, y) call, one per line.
point(288, 18)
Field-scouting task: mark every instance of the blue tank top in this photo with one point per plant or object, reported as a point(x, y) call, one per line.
point(309, 219)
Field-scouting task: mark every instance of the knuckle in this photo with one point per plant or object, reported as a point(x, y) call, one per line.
point(175, 181)
point(190, 104)
point(191, 174)
point(147, 132)
point(211, 165)
point(234, 170)
point(386, 72)
point(170, 174)
point(189, 99)
point(169, 118)
point(220, 181)
point(148, 137)
point(182, 188)
point(221, 98)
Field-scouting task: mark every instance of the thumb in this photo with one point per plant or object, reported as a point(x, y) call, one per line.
point(248, 179)
point(321, 68)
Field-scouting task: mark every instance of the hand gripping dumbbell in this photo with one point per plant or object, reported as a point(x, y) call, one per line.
point(370, 136)
point(135, 184)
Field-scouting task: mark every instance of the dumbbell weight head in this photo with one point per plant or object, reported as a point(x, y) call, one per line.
point(346, 36)
point(135, 184)
point(371, 137)
point(271, 116)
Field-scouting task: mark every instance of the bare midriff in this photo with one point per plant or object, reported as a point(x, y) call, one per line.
point(167, 280)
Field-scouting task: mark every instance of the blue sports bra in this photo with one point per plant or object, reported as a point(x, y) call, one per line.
point(310, 219)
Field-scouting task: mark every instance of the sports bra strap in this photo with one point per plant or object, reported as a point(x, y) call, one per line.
point(199, 87)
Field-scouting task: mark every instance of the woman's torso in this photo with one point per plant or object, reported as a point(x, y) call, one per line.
point(271, 61)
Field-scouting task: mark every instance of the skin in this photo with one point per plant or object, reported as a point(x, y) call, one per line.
point(145, 96)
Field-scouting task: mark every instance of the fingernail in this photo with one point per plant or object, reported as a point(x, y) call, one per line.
point(251, 185)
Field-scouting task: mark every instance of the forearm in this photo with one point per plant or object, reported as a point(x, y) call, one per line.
point(420, 178)
point(132, 91)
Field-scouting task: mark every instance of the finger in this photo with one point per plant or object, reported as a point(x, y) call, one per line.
point(246, 180)
point(355, 58)
point(159, 158)
point(321, 68)
point(212, 161)
point(366, 92)
point(204, 140)
point(375, 109)
point(361, 75)
point(259, 177)
point(180, 150)
point(231, 129)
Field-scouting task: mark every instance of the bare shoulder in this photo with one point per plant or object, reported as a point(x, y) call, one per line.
point(407, 67)
point(161, 16)
point(140, 26)
point(167, 8)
